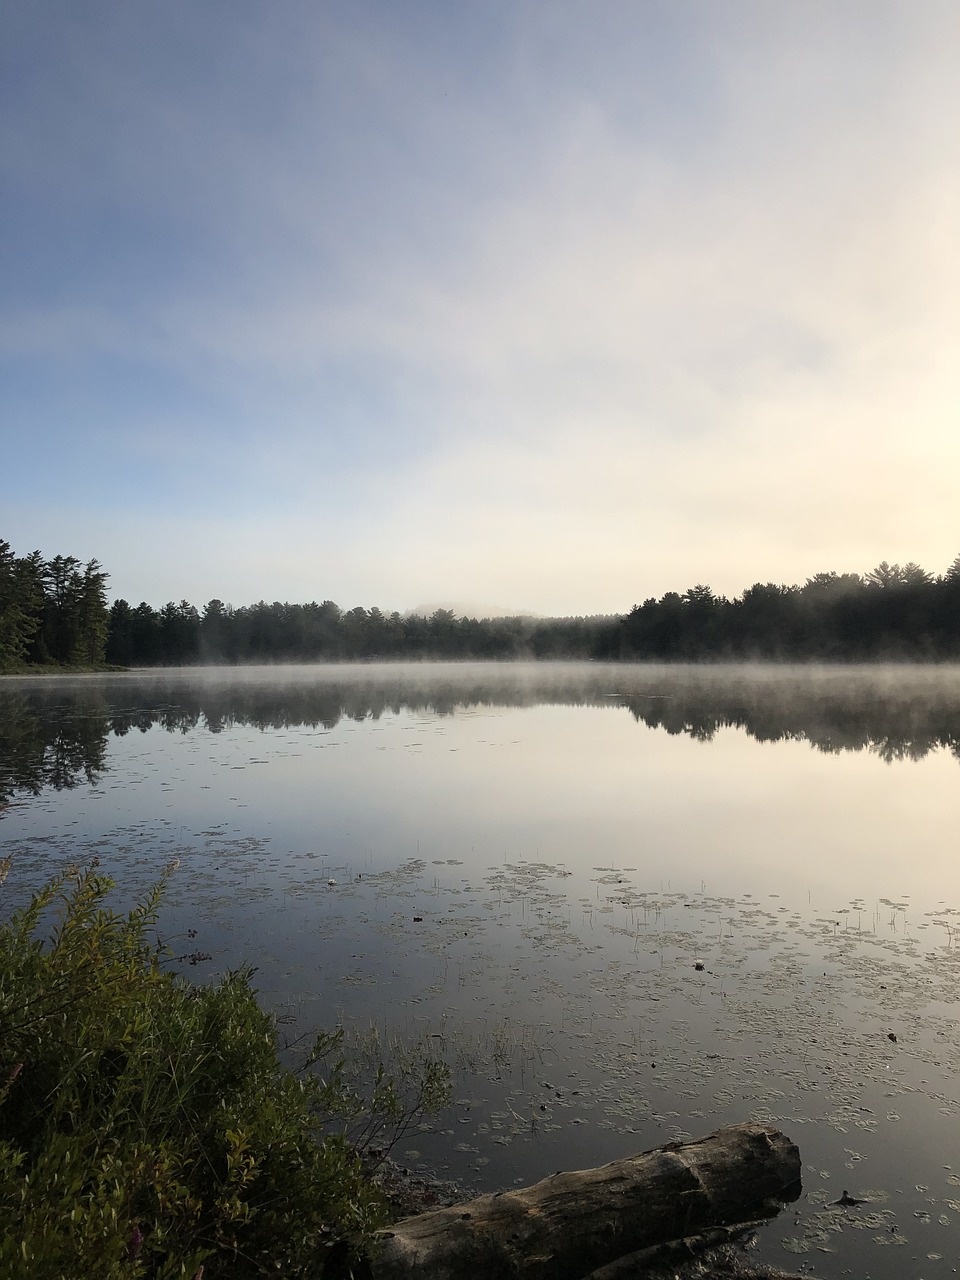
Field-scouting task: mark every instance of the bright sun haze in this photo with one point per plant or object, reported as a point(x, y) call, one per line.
point(550, 306)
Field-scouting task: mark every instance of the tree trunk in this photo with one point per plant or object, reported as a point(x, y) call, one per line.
point(571, 1224)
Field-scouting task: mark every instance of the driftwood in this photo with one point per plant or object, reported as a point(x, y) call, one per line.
point(573, 1224)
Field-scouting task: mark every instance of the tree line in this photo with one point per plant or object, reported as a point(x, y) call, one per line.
point(54, 612)
point(895, 612)
point(262, 632)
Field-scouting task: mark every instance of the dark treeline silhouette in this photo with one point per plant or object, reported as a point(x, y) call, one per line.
point(55, 734)
point(180, 635)
point(894, 612)
point(52, 612)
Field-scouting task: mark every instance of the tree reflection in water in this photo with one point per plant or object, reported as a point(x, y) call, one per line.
point(54, 732)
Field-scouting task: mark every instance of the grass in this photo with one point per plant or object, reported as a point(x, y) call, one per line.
point(148, 1127)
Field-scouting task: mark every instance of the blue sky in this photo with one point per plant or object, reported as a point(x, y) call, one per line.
point(532, 306)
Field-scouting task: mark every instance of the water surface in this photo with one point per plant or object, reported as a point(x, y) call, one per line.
point(628, 904)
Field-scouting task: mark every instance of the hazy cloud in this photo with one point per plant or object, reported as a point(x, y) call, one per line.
point(557, 305)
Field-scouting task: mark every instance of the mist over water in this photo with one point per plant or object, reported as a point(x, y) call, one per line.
point(628, 903)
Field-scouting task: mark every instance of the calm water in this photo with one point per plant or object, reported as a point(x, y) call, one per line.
point(530, 865)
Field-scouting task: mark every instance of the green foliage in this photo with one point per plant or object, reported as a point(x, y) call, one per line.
point(16, 625)
point(51, 611)
point(375, 1093)
point(148, 1127)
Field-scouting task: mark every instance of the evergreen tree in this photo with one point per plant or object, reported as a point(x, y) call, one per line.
point(93, 617)
point(31, 573)
point(120, 641)
point(61, 620)
point(14, 620)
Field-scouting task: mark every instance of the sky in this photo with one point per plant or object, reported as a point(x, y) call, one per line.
point(514, 305)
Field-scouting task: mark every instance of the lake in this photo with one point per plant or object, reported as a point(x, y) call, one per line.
point(627, 903)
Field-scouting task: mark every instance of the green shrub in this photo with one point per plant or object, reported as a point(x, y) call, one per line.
point(148, 1127)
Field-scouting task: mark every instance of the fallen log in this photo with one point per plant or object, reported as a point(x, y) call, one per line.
point(572, 1224)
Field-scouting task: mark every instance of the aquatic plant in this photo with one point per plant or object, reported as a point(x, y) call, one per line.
point(148, 1127)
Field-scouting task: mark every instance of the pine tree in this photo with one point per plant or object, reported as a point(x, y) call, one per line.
point(13, 619)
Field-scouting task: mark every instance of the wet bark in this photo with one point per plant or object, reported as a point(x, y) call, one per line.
point(573, 1224)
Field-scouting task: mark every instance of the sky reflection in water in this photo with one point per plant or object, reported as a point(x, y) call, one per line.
point(529, 864)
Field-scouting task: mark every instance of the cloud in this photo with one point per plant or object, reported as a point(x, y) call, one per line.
point(561, 309)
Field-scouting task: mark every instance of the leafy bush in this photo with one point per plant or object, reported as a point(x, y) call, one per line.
point(148, 1126)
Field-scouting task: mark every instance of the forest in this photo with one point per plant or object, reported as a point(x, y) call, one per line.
point(54, 613)
point(892, 613)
